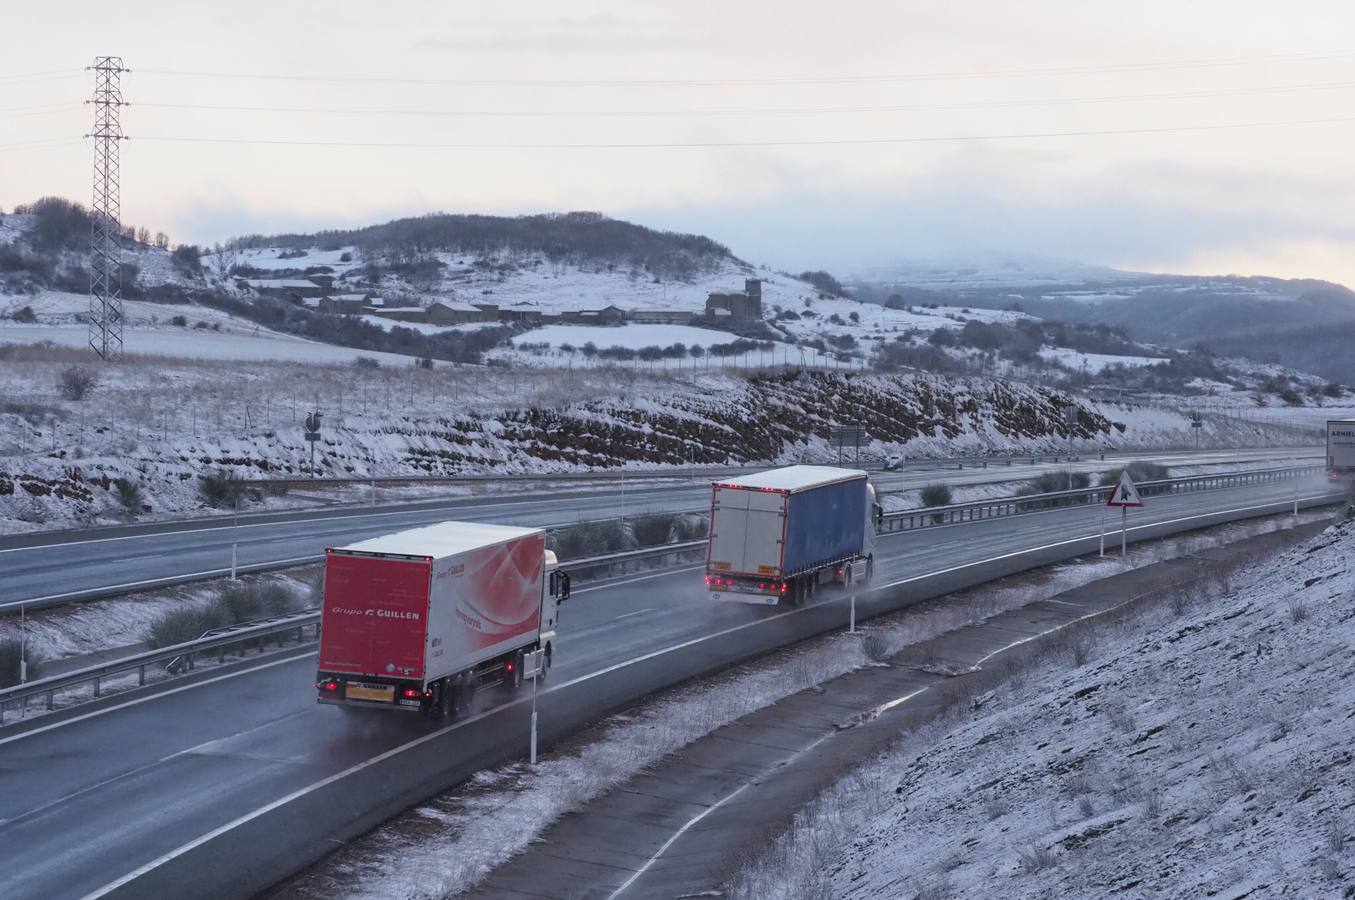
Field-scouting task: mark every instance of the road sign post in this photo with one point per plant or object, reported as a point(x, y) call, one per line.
point(531, 668)
point(1124, 496)
point(313, 435)
point(844, 436)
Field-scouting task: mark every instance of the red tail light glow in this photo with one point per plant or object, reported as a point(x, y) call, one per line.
point(330, 685)
point(508, 666)
point(411, 692)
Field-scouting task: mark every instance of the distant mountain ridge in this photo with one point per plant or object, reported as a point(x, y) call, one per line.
point(1302, 323)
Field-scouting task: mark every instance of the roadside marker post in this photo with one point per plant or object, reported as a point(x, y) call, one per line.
point(851, 622)
point(1124, 496)
point(531, 668)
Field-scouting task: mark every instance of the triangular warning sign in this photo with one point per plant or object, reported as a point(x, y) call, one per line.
point(1125, 494)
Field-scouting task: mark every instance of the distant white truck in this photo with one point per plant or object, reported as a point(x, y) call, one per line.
point(1340, 449)
point(420, 619)
point(777, 535)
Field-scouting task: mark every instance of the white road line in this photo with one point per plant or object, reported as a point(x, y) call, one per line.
point(488, 507)
point(132, 585)
point(705, 812)
point(395, 751)
point(637, 612)
point(139, 700)
point(207, 681)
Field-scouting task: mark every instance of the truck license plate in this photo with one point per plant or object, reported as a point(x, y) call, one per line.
point(384, 692)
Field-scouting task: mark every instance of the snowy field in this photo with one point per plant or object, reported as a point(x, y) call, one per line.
point(1093, 363)
point(1201, 751)
point(265, 346)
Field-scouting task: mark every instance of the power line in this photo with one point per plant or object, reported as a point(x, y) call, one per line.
point(54, 109)
point(7, 80)
point(1313, 56)
point(701, 145)
point(40, 144)
point(758, 111)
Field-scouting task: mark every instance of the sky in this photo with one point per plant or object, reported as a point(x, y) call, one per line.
point(852, 136)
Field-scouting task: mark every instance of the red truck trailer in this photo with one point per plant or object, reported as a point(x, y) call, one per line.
point(421, 619)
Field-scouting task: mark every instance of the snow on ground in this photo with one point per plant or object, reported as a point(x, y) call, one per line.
point(207, 333)
point(163, 424)
point(1204, 751)
point(185, 343)
point(268, 259)
point(1093, 363)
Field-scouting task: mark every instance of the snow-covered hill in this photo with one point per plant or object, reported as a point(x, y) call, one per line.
point(1205, 754)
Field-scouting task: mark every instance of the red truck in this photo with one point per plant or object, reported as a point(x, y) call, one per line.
point(421, 619)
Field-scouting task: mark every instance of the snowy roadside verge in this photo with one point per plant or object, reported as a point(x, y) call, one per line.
point(449, 843)
point(1194, 749)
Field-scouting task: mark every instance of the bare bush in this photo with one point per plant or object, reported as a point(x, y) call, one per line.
point(1152, 803)
point(876, 646)
point(1079, 647)
point(935, 495)
point(1085, 807)
point(1334, 836)
point(76, 382)
point(1035, 859)
point(184, 624)
point(653, 529)
point(1298, 610)
point(692, 528)
point(1078, 784)
point(586, 539)
point(129, 495)
point(222, 488)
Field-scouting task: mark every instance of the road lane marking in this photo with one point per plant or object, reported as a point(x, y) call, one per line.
point(136, 701)
point(485, 507)
point(705, 812)
point(37, 810)
point(155, 696)
point(636, 613)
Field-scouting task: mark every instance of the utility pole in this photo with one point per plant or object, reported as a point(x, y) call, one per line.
point(105, 278)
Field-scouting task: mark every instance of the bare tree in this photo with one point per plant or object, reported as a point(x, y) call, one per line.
point(224, 259)
point(143, 235)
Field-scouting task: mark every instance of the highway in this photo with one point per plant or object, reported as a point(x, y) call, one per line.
point(219, 786)
point(51, 568)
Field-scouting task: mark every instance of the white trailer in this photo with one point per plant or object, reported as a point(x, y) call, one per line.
point(1340, 450)
point(422, 618)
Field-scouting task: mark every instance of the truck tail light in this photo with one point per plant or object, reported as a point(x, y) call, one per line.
point(784, 585)
point(330, 685)
point(412, 692)
point(508, 666)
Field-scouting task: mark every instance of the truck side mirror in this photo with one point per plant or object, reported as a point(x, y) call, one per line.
point(564, 587)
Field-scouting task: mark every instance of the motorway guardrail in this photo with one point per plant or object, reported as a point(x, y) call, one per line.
point(1001, 507)
point(261, 633)
point(47, 688)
